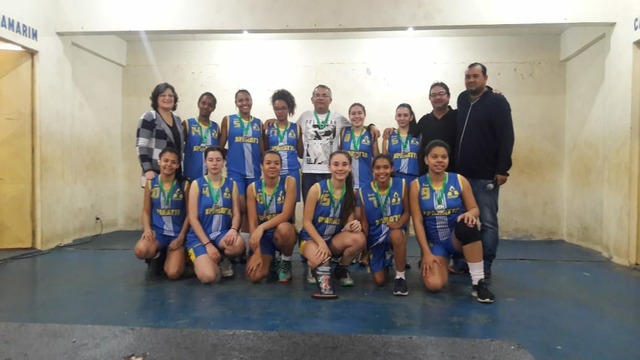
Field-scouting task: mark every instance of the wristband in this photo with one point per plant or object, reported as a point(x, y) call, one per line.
point(234, 229)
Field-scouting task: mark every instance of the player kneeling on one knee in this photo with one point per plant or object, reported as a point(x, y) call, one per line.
point(384, 204)
point(445, 217)
point(270, 205)
point(163, 218)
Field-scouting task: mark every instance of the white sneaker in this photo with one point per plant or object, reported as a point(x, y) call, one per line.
point(225, 267)
point(310, 278)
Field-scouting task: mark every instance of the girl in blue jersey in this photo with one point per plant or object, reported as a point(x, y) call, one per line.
point(244, 133)
point(358, 141)
point(445, 219)
point(384, 203)
point(270, 205)
point(214, 217)
point(200, 132)
point(403, 144)
point(163, 216)
point(329, 226)
point(285, 137)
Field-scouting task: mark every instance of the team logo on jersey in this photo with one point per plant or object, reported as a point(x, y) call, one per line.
point(415, 141)
point(394, 141)
point(365, 140)
point(396, 199)
point(155, 193)
point(452, 193)
point(292, 134)
point(227, 193)
point(347, 136)
point(195, 130)
point(256, 127)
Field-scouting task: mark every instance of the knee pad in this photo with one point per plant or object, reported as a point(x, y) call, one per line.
point(466, 234)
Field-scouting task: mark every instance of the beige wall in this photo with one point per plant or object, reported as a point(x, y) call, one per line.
point(575, 172)
point(380, 73)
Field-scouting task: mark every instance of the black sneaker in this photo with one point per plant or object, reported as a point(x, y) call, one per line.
point(400, 287)
point(341, 272)
point(482, 293)
point(325, 288)
point(155, 266)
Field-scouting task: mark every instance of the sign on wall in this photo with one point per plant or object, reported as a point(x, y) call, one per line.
point(17, 27)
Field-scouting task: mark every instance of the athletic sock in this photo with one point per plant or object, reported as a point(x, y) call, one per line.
point(399, 274)
point(323, 270)
point(286, 258)
point(477, 271)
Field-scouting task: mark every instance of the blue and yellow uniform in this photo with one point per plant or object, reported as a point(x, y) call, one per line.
point(168, 211)
point(285, 142)
point(198, 139)
point(404, 152)
point(215, 218)
point(326, 216)
point(243, 159)
point(381, 208)
point(360, 147)
point(440, 210)
point(268, 207)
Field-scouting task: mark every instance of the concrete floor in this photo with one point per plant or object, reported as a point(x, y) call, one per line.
point(553, 301)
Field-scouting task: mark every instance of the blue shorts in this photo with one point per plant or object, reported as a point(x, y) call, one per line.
point(164, 240)
point(268, 243)
point(195, 247)
point(296, 175)
point(380, 255)
point(444, 248)
point(242, 182)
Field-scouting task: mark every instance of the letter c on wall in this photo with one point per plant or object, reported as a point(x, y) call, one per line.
point(636, 24)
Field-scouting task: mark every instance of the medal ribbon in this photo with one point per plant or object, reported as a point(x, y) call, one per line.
point(439, 193)
point(204, 132)
point(281, 135)
point(356, 140)
point(403, 143)
point(245, 127)
point(335, 206)
point(166, 196)
point(215, 195)
point(324, 123)
point(383, 205)
point(274, 194)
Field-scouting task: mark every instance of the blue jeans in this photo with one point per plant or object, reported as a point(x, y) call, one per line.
point(488, 204)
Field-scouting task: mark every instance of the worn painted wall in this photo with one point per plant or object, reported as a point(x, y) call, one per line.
point(380, 73)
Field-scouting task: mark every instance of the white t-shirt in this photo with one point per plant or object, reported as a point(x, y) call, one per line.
point(320, 140)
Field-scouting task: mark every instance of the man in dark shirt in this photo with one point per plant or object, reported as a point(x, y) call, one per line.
point(439, 124)
point(483, 153)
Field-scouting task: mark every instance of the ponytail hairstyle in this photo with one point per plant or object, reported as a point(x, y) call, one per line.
point(414, 130)
point(349, 200)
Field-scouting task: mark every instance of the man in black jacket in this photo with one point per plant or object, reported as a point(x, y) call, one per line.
point(483, 153)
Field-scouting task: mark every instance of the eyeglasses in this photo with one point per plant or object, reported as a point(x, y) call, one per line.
point(438, 94)
point(280, 109)
point(321, 96)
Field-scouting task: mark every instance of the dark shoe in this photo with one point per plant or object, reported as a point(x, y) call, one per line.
point(341, 272)
point(155, 266)
point(482, 293)
point(400, 287)
point(325, 288)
